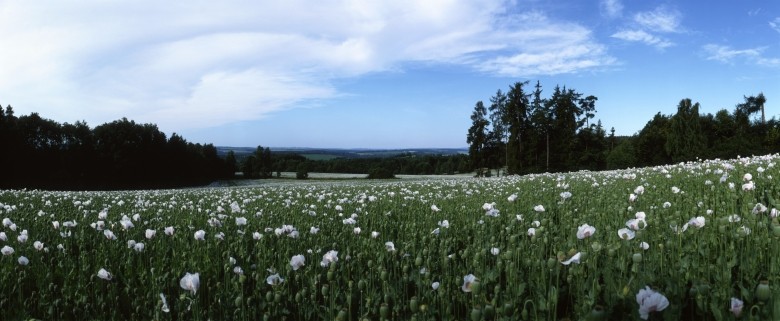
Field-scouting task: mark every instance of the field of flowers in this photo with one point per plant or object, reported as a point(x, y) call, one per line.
point(694, 241)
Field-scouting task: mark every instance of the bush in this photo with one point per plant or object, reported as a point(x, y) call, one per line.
point(380, 173)
point(303, 172)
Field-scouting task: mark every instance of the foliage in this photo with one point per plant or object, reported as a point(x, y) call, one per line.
point(380, 173)
point(117, 155)
point(556, 134)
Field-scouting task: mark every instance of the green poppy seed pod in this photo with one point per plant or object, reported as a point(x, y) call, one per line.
point(298, 297)
point(499, 265)
point(496, 289)
point(406, 269)
point(763, 291)
point(342, 316)
point(475, 287)
point(418, 261)
point(362, 285)
point(384, 311)
point(331, 275)
point(490, 312)
point(551, 263)
point(325, 289)
point(596, 246)
point(388, 299)
point(597, 314)
point(383, 275)
point(370, 263)
point(237, 302)
point(277, 297)
point(524, 314)
point(637, 257)
point(776, 230)
point(476, 314)
point(269, 297)
point(513, 239)
point(266, 317)
point(704, 289)
point(423, 308)
point(508, 309)
point(413, 306)
point(241, 278)
point(425, 252)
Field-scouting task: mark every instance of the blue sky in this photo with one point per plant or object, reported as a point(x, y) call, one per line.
point(375, 74)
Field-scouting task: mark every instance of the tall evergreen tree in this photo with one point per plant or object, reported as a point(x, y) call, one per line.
point(477, 136)
point(686, 140)
point(498, 118)
point(517, 120)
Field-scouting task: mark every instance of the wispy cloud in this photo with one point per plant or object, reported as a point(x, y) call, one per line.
point(644, 37)
point(661, 19)
point(646, 26)
point(176, 66)
point(775, 24)
point(726, 54)
point(611, 8)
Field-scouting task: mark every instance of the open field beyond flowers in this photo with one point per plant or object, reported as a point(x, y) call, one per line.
point(695, 241)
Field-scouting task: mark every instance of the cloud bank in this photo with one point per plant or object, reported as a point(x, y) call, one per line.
point(202, 64)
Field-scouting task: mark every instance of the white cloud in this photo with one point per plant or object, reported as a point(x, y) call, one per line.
point(775, 24)
point(661, 19)
point(205, 63)
point(726, 54)
point(611, 8)
point(644, 37)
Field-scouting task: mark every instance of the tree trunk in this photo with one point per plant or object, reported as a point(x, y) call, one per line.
point(548, 152)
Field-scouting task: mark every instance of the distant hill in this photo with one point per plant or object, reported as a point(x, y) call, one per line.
point(331, 153)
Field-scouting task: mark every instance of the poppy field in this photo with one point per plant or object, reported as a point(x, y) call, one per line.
point(691, 241)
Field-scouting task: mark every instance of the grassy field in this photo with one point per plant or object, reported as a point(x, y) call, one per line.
point(693, 241)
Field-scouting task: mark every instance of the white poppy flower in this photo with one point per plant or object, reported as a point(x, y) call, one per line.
point(169, 230)
point(574, 259)
point(103, 274)
point(150, 233)
point(626, 234)
point(698, 221)
point(200, 235)
point(539, 208)
point(297, 261)
point(109, 235)
point(240, 221)
point(435, 285)
point(330, 257)
point(736, 306)
point(468, 281)
point(274, 279)
point(389, 246)
point(23, 261)
point(190, 282)
point(38, 245)
point(495, 251)
point(374, 234)
point(512, 198)
point(650, 301)
point(585, 231)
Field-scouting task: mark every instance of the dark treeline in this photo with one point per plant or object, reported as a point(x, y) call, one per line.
point(688, 135)
point(265, 164)
point(41, 153)
point(524, 132)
